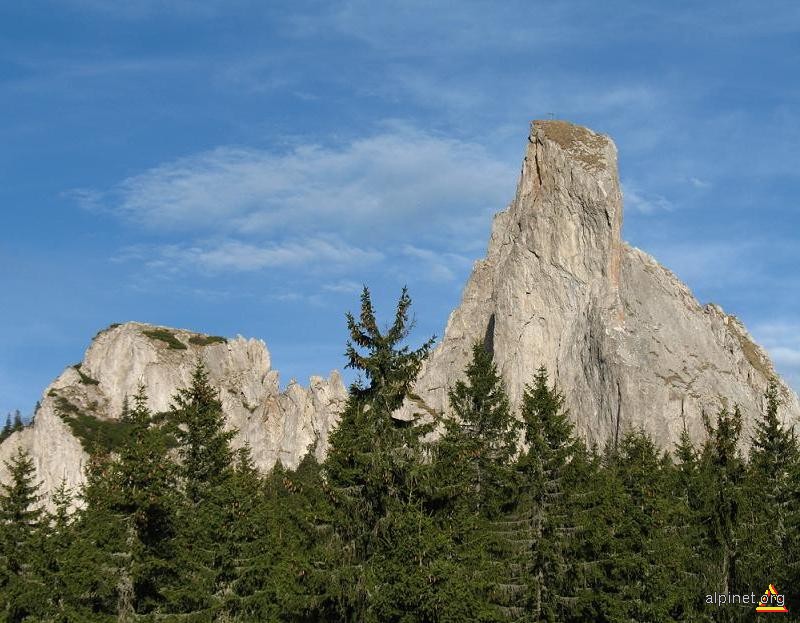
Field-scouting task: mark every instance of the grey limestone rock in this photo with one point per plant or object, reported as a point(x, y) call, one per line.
point(277, 425)
point(624, 338)
point(619, 333)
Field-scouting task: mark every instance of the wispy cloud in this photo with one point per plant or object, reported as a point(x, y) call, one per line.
point(238, 256)
point(394, 182)
point(344, 286)
point(434, 265)
point(698, 183)
point(642, 201)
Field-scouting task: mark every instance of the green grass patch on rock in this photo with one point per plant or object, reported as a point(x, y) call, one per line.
point(96, 436)
point(166, 336)
point(85, 378)
point(206, 340)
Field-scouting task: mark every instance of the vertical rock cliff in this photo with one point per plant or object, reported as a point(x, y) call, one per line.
point(621, 334)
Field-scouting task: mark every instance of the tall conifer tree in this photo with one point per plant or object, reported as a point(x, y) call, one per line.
point(770, 500)
point(206, 472)
point(374, 471)
point(22, 590)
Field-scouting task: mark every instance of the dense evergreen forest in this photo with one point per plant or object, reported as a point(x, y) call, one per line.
point(505, 517)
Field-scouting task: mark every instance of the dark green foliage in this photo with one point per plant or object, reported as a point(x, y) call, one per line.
point(204, 444)
point(480, 438)
point(206, 340)
point(374, 469)
point(175, 524)
point(720, 476)
point(471, 482)
point(165, 336)
point(13, 424)
point(96, 436)
point(22, 591)
point(771, 502)
point(85, 379)
point(8, 428)
point(286, 553)
point(211, 491)
point(544, 520)
point(389, 368)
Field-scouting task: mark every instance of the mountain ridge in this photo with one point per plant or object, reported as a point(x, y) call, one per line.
point(623, 337)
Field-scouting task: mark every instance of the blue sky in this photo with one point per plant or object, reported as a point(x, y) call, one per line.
point(243, 167)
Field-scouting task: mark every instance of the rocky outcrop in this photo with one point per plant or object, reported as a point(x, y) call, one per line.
point(621, 334)
point(83, 404)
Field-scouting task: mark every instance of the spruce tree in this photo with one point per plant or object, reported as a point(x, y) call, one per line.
point(204, 528)
point(722, 473)
point(472, 482)
point(203, 442)
point(57, 543)
point(685, 484)
point(480, 438)
point(145, 479)
point(287, 551)
point(7, 429)
point(770, 497)
point(374, 472)
point(93, 566)
point(540, 529)
point(650, 556)
point(116, 556)
point(22, 590)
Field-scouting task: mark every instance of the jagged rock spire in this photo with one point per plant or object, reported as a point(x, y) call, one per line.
point(621, 334)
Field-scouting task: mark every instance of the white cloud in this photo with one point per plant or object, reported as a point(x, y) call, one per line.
point(698, 183)
point(435, 265)
point(238, 256)
point(643, 202)
point(345, 286)
point(395, 182)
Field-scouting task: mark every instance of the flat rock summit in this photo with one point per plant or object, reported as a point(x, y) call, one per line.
point(625, 339)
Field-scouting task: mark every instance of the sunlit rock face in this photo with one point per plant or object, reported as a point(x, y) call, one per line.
point(623, 337)
point(619, 333)
point(277, 425)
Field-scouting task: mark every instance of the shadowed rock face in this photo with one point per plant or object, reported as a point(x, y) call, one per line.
point(277, 425)
point(621, 334)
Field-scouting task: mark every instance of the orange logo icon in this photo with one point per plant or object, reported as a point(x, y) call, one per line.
point(772, 601)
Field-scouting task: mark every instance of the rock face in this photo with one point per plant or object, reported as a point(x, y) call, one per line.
point(621, 334)
point(277, 425)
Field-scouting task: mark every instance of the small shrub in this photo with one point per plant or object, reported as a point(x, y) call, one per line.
point(64, 407)
point(96, 435)
point(166, 336)
point(85, 378)
point(205, 340)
